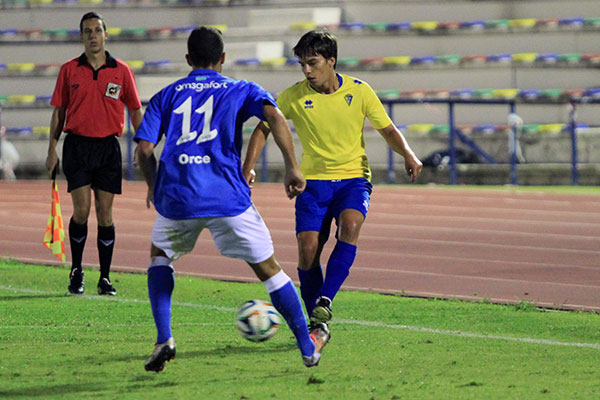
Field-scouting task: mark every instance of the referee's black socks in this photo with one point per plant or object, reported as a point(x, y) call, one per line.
point(106, 244)
point(77, 236)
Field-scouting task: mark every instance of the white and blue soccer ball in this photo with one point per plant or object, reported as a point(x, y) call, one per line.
point(257, 320)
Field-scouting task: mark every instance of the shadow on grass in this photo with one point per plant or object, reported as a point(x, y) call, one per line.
point(234, 350)
point(48, 390)
point(181, 353)
point(32, 296)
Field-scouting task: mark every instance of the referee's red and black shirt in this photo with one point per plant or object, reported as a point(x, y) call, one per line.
point(95, 99)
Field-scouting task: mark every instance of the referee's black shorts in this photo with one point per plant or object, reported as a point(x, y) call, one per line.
point(92, 161)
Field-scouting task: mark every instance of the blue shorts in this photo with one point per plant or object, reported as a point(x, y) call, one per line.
point(322, 201)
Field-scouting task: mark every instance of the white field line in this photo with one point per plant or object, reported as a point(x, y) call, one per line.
point(341, 321)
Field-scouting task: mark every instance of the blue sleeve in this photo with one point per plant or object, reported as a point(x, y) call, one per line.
point(256, 99)
point(150, 128)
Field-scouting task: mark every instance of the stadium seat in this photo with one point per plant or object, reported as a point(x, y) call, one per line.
point(522, 24)
point(551, 128)
point(505, 93)
point(524, 58)
point(500, 25)
point(449, 26)
point(472, 25)
point(396, 61)
point(462, 94)
point(571, 23)
point(135, 65)
point(483, 93)
point(398, 27)
point(424, 26)
point(450, 59)
point(547, 24)
point(273, 62)
point(420, 128)
point(501, 58)
point(569, 58)
point(423, 60)
point(547, 59)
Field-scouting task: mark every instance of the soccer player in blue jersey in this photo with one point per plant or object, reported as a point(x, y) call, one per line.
point(199, 184)
point(328, 111)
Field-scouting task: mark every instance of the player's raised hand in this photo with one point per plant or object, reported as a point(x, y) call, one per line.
point(294, 183)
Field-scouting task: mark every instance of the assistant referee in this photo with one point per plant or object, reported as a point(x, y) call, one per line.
point(89, 98)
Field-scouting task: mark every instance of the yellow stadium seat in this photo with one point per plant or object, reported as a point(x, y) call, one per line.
point(400, 60)
point(505, 93)
point(551, 128)
point(424, 25)
point(522, 23)
point(41, 131)
point(114, 30)
point(21, 67)
point(524, 58)
point(221, 27)
point(135, 64)
point(274, 62)
point(420, 128)
point(21, 98)
point(303, 26)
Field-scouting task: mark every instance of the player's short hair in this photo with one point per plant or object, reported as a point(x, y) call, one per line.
point(91, 15)
point(314, 43)
point(205, 46)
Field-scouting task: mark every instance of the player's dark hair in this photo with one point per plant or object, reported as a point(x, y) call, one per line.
point(205, 46)
point(91, 15)
point(314, 43)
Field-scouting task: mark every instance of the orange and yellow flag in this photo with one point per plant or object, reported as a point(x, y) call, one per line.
point(54, 238)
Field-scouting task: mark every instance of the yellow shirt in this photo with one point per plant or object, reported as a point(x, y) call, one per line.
point(330, 127)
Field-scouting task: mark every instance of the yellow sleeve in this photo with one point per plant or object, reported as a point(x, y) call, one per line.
point(375, 111)
point(282, 105)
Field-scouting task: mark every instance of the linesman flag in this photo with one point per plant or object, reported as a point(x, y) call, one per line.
point(54, 238)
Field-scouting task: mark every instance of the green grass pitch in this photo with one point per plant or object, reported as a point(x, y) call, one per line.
point(57, 346)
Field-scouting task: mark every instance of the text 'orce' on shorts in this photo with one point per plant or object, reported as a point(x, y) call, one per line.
point(243, 236)
point(324, 200)
point(93, 161)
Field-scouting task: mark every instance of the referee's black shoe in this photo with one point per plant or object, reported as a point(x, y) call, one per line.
point(105, 287)
point(76, 285)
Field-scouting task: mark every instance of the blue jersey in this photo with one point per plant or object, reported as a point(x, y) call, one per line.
point(201, 117)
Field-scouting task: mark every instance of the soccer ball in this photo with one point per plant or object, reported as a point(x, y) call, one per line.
point(257, 320)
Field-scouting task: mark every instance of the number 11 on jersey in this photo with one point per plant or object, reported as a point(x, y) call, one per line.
point(186, 124)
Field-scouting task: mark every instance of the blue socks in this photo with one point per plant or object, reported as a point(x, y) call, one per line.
point(286, 300)
point(161, 281)
point(310, 285)
point(338, 268)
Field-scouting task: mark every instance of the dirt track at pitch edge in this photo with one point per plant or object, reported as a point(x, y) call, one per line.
point(470, 244)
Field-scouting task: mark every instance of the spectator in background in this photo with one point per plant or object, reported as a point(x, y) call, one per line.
point(9, 157)
point(89, 98)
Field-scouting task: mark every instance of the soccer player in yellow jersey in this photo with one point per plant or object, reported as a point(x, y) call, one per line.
point(328, 111)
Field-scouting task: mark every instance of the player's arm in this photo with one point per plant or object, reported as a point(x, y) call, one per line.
point(57, 123)
point(136, 117)
point(255, 146)
point(144, 154)
point(294, 180)
point(397, 142)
